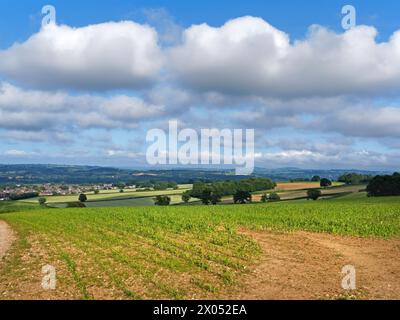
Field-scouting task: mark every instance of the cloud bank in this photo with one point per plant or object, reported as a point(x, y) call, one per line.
point(245, 73)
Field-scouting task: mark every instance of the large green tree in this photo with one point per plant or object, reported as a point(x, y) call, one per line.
point(186, 196)
point(82, 197)
point(162, 201)
point(384, 186)
point(274, 197)
point(325, 182)
point(42, 201)
point(242, 197)
point(314, 194)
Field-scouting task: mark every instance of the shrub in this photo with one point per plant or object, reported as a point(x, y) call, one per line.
point(76, 205)
point(325, 183)
point(314, 194)
point(186, 197)
point(215, 198)
point(82, 197)
point(273, 197)
point(162, 201)
point(264, 198)
point(242, 197)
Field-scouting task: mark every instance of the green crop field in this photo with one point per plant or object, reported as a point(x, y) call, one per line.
point(132, 202)
point(171, 252)
point(15, 206)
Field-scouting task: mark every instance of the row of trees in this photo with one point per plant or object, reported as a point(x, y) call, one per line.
point(209, 197)
point(212, 193)
point(226, 188)
point(355, 178)
point(22, 196)
point(313, 179)
point(165, 185)
point(273, 197)
point(324, 182)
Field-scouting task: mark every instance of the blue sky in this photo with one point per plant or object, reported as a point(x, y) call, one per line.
point(306, 107)
point(19, 19)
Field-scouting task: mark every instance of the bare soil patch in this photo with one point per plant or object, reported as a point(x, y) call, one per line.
point(304, 265)
point(297, 186)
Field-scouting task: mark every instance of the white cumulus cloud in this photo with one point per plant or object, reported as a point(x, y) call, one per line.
point(103, 56)
point(249, 56)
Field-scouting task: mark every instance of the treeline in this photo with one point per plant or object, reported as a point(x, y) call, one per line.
point(227, 188)
point(149, 185)
point(384, 186)
point(355, 178)
point(241, 190)
point(162, 185)
point(23, 196)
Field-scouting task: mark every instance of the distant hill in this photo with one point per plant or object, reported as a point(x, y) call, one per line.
point(36, 174)
point(283, 174)
point(32, 174)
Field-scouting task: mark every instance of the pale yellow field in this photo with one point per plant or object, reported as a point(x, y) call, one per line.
point(286, 186)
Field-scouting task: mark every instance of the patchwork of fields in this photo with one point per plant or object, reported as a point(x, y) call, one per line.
point(114, 198)
point(133, 198)
point(180, 251)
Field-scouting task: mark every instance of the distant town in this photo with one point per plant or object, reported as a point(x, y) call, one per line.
point(19, 192)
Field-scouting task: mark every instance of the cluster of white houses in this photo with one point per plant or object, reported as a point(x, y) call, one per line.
point(50, 190)
point(4, 196)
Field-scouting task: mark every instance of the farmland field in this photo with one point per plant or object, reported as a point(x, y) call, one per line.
point(131, 202)
point(285, 186)
point(193, 252)
point(133, 198)
point(111, 195)
point(134, 202)
point(295, 191)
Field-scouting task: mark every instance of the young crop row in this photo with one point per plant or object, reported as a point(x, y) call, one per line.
point(178, 251)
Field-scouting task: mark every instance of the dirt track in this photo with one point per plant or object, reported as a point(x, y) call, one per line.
point(6, 238)
point(308, 266)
